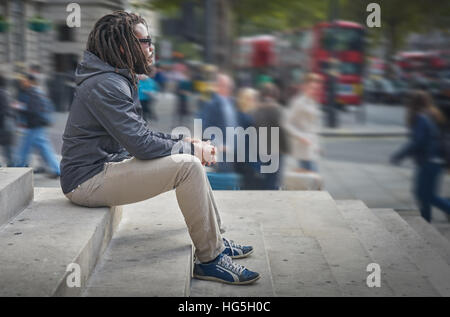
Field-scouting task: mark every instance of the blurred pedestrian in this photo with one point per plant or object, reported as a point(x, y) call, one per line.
point(161, 77)
point(425, 121)
point(147, 89)
point(37, 110)
point(220, 112)
point(7, 124)
point(303, 122)
point(269, 114)
point(173, 75)
point(36, 71)
point(183, 91)
point(247, 102)
point(331, 106)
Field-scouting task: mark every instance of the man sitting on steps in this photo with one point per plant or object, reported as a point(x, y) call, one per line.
point(110, 156)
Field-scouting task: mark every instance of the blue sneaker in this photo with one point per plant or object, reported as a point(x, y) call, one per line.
point(224, 270)
point(236, 251)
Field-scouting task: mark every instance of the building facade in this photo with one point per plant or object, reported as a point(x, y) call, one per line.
point(60, 48)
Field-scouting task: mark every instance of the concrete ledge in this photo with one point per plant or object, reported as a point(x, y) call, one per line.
point(38, 245)
point(297, 265)
point(430, 234)
point(243, 231)
point(307, 243)
point(400, 273)
point(431, 264)
point(16, 191)
point(149, 255)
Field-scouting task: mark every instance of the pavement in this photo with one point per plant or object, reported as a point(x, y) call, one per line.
point(364, 130)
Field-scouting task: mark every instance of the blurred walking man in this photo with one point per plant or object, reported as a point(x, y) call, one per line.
point(37, 111)
point(220, 112)
point(111, 157)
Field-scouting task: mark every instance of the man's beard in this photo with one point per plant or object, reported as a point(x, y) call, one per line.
point(146, 67)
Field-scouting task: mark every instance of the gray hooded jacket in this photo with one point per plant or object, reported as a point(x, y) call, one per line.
point(105, 124)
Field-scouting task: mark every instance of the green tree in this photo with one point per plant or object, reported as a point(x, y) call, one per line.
point(399, 18)
point(266, 16)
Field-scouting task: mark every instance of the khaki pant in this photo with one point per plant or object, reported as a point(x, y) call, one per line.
point(134, 180)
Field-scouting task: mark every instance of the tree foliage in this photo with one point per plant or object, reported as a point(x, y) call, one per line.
point(400, 18)
point(260, 15)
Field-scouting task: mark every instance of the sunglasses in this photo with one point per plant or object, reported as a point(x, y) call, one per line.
point(147, 40)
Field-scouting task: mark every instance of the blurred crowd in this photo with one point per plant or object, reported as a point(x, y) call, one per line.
point(26, 114)
point(222, 101)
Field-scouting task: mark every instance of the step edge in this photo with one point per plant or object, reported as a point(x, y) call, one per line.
point(358, 203)
point(189, 272)
point(105, 230)
point(267, 263)
point(24, 201)
point(88, 286)
point(394, 237)
point(345, 291)
point(413, 259)
point(266, 254)
point(443, 241)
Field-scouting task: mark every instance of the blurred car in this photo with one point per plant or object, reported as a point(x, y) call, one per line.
point(403, 88)
point(385, 91)
point(427, 83)
point(369, 90)
point(389, 94)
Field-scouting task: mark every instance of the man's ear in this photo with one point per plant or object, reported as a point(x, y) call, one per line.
point(121, 49)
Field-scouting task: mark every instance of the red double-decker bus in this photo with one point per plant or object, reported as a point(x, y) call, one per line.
point(344, 41)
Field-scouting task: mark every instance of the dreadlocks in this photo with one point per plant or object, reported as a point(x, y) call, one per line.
point(114, 42)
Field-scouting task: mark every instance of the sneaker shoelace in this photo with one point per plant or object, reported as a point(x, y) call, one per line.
point(228, 263)
point(232, 244)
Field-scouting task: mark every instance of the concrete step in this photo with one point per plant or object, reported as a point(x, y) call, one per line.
point(439, 221)
point(431, 235)
point(290, 263)
point(243, 231)
point(16, 191)
point(149, 255)
point(320, 218)
point(297, 265)
point(38, 245)
point(313, 217)
point(430, 263)
point(443, 228)
point(304, 246)
point(398, 273)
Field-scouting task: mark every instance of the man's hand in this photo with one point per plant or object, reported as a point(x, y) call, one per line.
point(209, 153)
point(205, 151)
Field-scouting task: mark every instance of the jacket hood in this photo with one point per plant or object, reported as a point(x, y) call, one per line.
point(91, 65)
